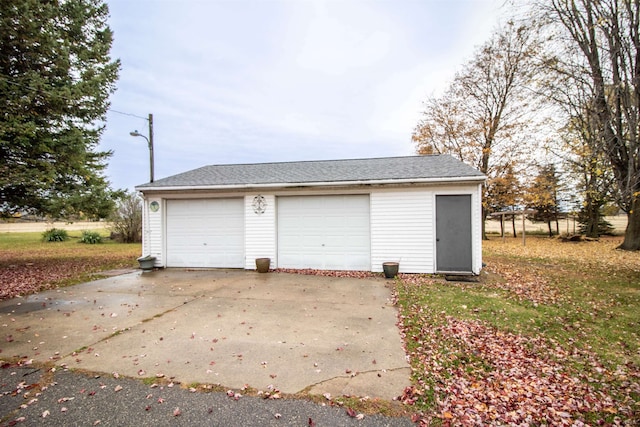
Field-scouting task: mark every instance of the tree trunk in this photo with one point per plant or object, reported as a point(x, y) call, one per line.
point(513, 225)
point(484, 225)
point(591, 214)
point(592, 228)
point(632, 234)
point(550, 229)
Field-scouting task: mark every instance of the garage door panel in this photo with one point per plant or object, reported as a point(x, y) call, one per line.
point(333, 262)
point(358, 242)
point(324, 232)
point(205, 233)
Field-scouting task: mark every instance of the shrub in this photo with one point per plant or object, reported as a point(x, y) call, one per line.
point(55, 235)
point(90, 237)
point(126, 222)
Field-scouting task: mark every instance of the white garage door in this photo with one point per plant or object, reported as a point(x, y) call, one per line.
point(324, 232)
point(205, 233)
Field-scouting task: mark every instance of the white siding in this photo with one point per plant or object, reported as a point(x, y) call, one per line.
point(146, 227)
point(476, 224)
point(260, 231)
point(152, 241)
point(402, 230)
point(402, 225)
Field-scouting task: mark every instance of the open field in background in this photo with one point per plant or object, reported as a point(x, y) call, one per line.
point(567, 226)
point(619, 223)
point(39, 227)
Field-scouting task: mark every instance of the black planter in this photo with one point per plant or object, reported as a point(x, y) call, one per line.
point(390, 269)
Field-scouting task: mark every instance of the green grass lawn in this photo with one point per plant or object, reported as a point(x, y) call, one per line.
point(549, 327)
point(27, 264)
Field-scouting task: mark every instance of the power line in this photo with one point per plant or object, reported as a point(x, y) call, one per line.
point(6, 79)
point(127, 114)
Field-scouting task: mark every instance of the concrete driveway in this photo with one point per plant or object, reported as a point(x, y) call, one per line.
point(234, 328)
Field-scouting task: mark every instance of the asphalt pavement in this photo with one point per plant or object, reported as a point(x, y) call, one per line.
point(32, 396)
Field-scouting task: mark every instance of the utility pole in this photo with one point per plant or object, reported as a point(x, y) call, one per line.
point(151, 147)
point(149, 142)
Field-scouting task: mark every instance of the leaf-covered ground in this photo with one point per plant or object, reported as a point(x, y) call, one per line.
point(28, 265)
point(549, 336)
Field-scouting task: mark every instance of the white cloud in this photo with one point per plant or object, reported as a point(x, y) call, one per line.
point(339, 39)
point(249, 80)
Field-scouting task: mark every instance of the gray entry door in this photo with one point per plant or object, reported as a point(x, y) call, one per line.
point(453, 234)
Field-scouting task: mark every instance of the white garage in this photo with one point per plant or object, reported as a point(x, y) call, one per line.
point(324, 232)
point(205, 233)
point(424, 212)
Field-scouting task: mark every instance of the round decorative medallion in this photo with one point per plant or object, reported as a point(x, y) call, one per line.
point(259, 205)
point(154, 206)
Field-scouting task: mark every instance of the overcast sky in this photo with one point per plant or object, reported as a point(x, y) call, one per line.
point(249, 81)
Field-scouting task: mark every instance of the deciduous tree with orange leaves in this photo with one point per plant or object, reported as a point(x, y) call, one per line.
point(482, 119)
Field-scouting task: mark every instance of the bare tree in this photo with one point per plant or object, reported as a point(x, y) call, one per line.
point(126, 221)
point(482, 117)
point(598, 46)
point(585, 158)
point(577, 141)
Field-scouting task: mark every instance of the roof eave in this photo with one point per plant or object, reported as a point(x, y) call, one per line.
point(461, 179)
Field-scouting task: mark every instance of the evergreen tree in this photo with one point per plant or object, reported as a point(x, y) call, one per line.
point(56, 76)
point(593, 222)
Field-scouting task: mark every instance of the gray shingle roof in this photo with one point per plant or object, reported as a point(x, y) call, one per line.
point(420, 168)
